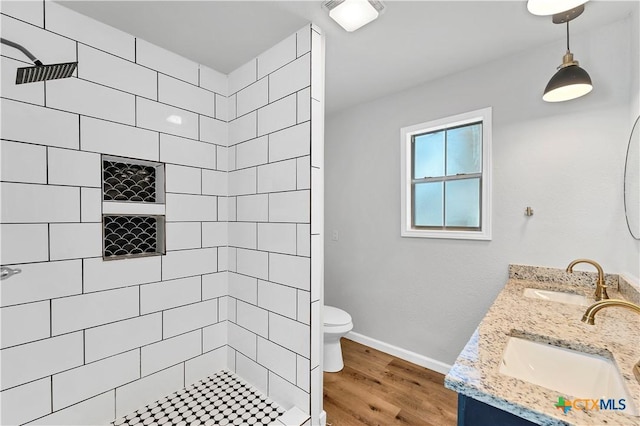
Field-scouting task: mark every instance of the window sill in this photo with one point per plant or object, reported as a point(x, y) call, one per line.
point(449, 235)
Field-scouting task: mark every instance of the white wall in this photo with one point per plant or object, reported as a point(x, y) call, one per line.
point(564, 160)
point(84, 340)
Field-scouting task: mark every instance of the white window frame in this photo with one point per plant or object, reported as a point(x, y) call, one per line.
point(406, 135)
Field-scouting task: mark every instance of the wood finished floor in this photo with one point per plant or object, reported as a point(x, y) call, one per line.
point(375, 388)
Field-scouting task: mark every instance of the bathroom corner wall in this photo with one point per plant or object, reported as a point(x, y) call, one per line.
point(84, 340)
point(275, 218)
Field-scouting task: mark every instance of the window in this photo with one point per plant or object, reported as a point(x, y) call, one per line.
point(446, 177)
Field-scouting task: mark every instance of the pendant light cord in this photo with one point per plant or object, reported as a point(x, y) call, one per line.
point(568, 37)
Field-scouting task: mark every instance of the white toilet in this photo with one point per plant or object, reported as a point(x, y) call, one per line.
point(337, 323)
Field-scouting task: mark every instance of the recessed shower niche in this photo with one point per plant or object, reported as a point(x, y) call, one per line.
point(133, 209)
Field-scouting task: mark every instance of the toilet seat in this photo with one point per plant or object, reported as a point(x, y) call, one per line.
point(335, 317)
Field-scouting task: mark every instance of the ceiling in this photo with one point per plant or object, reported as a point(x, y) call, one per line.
point(411, 43)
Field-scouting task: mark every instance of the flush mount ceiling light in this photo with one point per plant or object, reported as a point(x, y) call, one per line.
point(551, 7)
point(353, 14)
point(571, 81)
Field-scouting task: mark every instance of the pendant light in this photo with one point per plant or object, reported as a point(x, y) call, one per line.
point(551, 7)
point(571, 81)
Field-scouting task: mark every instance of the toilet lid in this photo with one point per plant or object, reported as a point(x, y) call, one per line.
point(335, 316)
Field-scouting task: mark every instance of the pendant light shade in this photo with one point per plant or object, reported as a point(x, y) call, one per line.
point(551, 7)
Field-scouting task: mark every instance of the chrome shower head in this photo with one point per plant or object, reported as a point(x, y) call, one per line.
point(40, 72)
point(45, 72)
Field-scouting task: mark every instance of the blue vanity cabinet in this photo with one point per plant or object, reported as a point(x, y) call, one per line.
point(472, 412)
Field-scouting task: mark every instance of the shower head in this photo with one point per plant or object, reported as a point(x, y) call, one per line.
point(40, 72)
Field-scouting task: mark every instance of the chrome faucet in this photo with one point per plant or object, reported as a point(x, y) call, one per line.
point(590, 313)
point(601, 288)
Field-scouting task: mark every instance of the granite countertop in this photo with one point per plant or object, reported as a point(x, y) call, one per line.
point(615, 335)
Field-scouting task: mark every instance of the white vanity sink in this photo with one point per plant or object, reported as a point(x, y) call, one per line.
point(571, 373)
point(556, 296)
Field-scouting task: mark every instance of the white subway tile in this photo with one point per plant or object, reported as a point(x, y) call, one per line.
point(26, 402)
point(166, 62)
point(95, 411)
point(290, 78)
point(185, 263)
point(205, 365)
point(79, 96)
point(187, 152)
point(293, 271)
point(242, 182)
point(303, 170)
point(148, 389)
point(23, 162)
point(24, 323)
point(223, 258)
point(186, 180)
point(104, 275)
point(252, 372)
point(277, 115)
point(304, 307)
point(291, 206)
point(214, 234)
point(316, 334)
point(67, 22)
point(117, 139)
point(277, 56)
point(294, 416)
point(214, 182)
point(24, 363)
point(28, 11)
point(290, 334)
point(231, 309)
point(285, 393)
point(190, 317)
point(304, 105)
point(110, 339)
point(214, 131)
point(317, 134)
point(214, 336)
point(232, 259)
point(277, 359)
point(280, 176)
point(317, 266)
point(253, 208)
point(303, 40)
point(215, 285)
point(222, 108)
point(89, 310)
point(213, 80)
point(243, 287)
point(183, 235)
point(243, 128)
point(166, 118)
point(222, 157)
point(303, 376)
point(231, 158)
point(48, 47)
point(22, 203)
point(70, 167)
point(184, 208)
point(253, 263)
point(24, 243)
point(303, 240)
point(290, 143)
point(231, 108)
point(242, 234)
point(90, 204)
point(169, 294)
point(123, 207)
point(169, 352)
point(223, 208)
point(252, 318)
point(32, 93)
point(75, 240)
point(100, 67)
point(83, 382)
point(55, 128)
point(252, 153)
point(243, 76)
point(253, 97)
point(277, 298)
point(231, 358)
point(184, 95)
point(277, 237)
point(41, 281)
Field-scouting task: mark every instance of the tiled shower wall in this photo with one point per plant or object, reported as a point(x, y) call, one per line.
point(84, 340)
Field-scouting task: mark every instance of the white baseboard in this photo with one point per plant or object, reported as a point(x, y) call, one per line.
point(404, 354)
